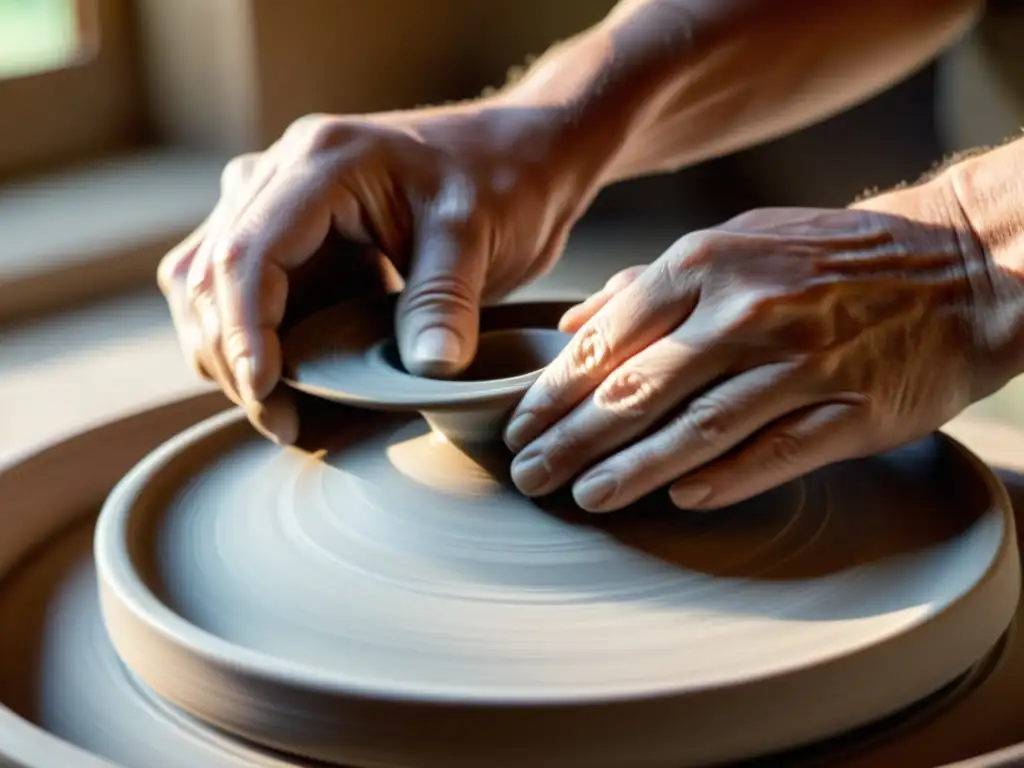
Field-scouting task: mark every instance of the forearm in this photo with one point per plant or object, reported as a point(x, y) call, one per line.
point(662, 84)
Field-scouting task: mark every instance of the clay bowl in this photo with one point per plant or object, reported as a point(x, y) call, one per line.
point(348, 354)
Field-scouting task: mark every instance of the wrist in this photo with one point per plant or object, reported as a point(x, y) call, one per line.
point(943, 215)
point(989, 191)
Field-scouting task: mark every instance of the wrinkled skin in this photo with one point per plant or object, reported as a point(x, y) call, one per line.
point(754, 352)
point(745, 356)
point(464, 204)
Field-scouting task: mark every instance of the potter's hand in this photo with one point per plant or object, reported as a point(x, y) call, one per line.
point(754, 352)
point(466, 203)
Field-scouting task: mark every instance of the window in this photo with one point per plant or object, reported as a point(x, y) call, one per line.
point(69, 84)
point(37, 35)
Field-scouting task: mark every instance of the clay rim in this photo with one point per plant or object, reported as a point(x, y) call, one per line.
point(401, 391)
point(119, 580)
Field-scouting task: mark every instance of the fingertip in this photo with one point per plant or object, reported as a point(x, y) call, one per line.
point(691, 495)
point(276, 418)
point(437, 352)
point(576, 317)
point(572, 320)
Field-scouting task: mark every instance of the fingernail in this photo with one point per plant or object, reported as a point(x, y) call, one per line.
point(438, 347)
point(685, 495)
point(245, 380)
point(520, 431)
point(593, 493)
point(530, 475)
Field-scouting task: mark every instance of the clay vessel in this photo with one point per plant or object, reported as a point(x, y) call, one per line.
point(348, 354)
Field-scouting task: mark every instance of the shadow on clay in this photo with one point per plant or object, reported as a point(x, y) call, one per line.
point(832, 521)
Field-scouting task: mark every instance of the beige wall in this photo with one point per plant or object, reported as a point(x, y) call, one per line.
point(351, 56)
point(231, 75)
point(197, 58)
point(980, 85)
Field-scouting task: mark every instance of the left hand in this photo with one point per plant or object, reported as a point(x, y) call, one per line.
point(752, 353)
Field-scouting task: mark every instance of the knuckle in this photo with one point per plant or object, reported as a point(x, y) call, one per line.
point(236, 171)
point(625, 393)
point(707, 421)
point(324, 135)
point(172, 272)
point(446, 292)
point(784, 448)
point(693, 250)
point(822, 369)
point(455, 200)
point(236, 345)
point(624, 277)
point(198, 285)
point(589, 351)
point(562, 447)
point(302, 126)
point(230, 255)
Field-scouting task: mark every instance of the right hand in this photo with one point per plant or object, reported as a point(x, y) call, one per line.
point(464, 203)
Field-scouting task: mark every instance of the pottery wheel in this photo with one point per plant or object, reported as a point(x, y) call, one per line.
point(379, 597)
point(66, 699)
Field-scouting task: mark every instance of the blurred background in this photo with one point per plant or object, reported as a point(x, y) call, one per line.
point(116, 117)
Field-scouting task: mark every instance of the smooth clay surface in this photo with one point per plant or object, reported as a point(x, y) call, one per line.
point(67, 700)
point(379, 597)
point(347, 353)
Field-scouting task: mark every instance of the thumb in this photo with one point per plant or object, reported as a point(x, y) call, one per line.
point(438, 314)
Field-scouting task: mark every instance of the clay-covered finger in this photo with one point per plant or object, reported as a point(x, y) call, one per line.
point(644, 311)
point(784, 451)
point(629, 402)
point(576, 316)
point(707, 428)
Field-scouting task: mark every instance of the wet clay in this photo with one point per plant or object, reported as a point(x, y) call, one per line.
point(67, 700)
point(379, 596)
